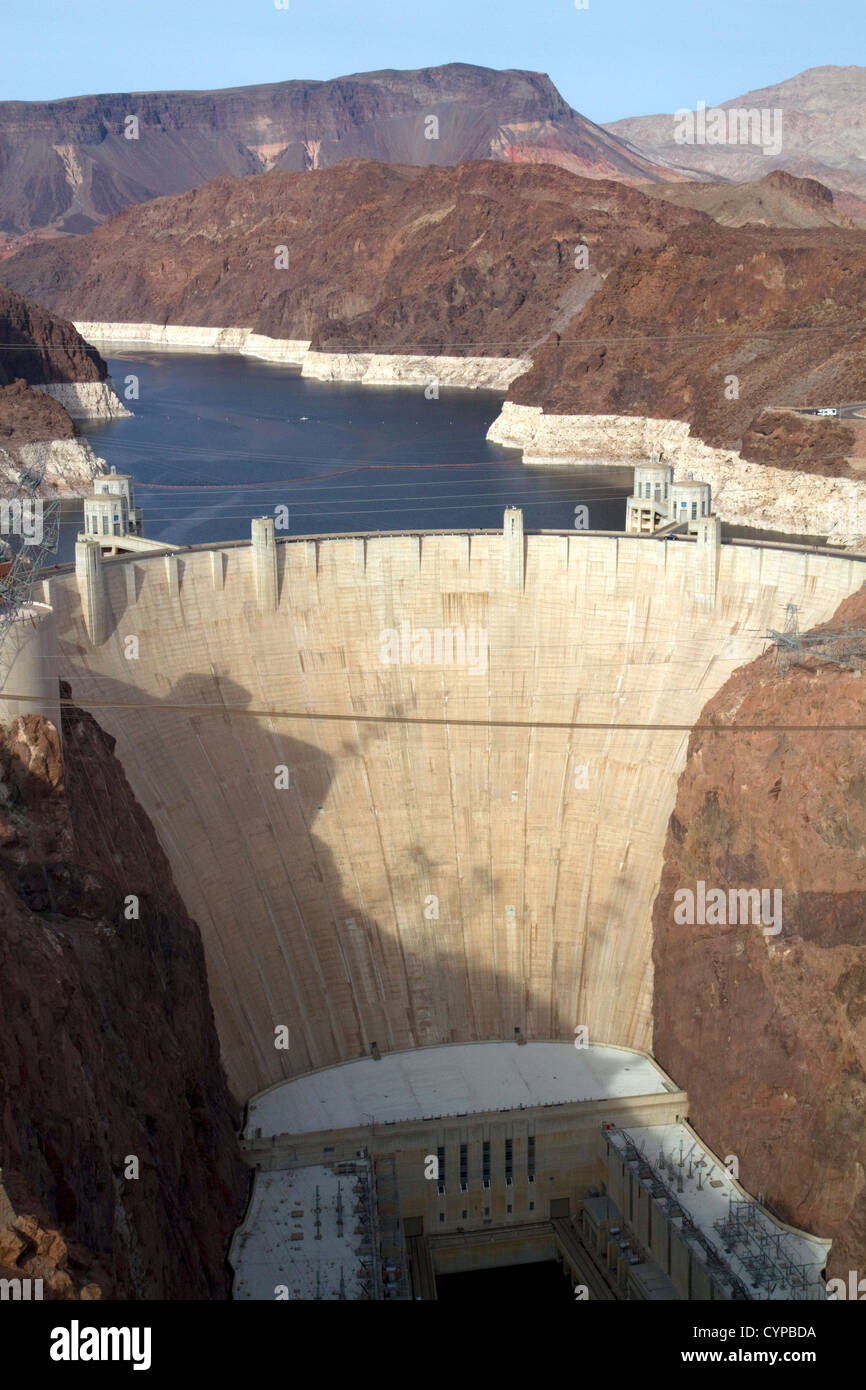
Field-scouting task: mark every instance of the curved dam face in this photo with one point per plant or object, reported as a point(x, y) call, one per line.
point(405, 883)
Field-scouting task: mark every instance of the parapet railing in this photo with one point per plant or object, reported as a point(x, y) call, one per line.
point(836, 552)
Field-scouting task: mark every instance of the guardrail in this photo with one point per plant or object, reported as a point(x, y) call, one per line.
point(838, 552)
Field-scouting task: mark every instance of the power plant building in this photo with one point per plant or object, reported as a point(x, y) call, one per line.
point(470, 1157)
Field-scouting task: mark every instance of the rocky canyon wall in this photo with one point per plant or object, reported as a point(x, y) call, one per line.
point(383, 369)
point(69, 465)
point(768, 1032)
point(86, 400)
point(117, 1133)
point(49, 378)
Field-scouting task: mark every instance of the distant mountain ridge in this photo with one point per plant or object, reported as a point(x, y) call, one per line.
point(777, 200)
point(823, 135)
point(67, 165)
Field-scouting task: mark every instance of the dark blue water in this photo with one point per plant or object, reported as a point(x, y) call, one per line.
point(340, 457)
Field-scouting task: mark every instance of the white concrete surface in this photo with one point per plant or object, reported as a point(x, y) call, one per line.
point(527, 806)
point(269, 1265)
point(28, 664)
point(456, 1080)
point(711, 1202)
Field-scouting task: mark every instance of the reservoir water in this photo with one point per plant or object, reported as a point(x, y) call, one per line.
point(217, 439)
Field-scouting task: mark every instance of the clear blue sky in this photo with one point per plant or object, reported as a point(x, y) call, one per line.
point(616, 58)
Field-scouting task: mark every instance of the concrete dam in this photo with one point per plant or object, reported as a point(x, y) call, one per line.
point(386, 849)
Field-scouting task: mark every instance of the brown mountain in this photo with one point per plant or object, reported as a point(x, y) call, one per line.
point(40, 347)
point(107, 1042)
point(777, 200)
point(768, 1033)
point(471, 260)
point(67, 165)
point(822, 135)
point(720, 324)
point(37, 347)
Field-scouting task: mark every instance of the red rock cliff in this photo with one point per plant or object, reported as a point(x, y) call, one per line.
point(768, 1033)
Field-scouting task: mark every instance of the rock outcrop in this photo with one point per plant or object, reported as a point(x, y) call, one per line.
point(720, 325)
point(67, 466)
point(86, 400)
point(50, 355)
point(28, 415)
point(776, 200)
point(39, 347)
point(117, 1132)
point(36, 1260)
point(36, 433)
point(768, 1031)
point(49, 376)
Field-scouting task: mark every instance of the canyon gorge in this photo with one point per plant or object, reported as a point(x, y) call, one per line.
point(238, 830)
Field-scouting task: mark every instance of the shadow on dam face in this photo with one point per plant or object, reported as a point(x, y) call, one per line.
point(482, 857)
point(325, 968)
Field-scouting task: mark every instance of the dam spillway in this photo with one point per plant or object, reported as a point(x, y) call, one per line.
point(367, 880)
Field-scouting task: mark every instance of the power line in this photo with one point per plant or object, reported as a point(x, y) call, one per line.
point(440, 349)
point(432, 440)
point(325, 717)
point(570, 488)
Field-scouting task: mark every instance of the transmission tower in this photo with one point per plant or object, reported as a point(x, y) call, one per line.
point(29, 533)
point(790, 633)
point(843, 647)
